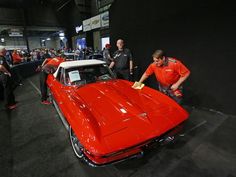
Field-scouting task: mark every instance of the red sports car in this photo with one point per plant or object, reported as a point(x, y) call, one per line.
point(108, 120)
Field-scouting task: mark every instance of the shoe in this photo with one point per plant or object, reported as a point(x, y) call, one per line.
point(12, 106)
point(46, 102)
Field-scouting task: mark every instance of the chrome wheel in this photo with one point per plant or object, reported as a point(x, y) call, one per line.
point(77, 147)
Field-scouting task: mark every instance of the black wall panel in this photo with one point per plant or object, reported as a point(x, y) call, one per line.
point(33, 16)
point(41, 16)
point(11, 16)
point(199, 33)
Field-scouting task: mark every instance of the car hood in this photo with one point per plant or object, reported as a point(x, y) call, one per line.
point(127, 116)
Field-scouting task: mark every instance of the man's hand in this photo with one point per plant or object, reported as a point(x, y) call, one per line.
point(7, 73)
point(38, 68)
point(138, 85)
point(174, 87)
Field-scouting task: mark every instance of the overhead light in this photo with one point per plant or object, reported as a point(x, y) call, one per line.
point(43, 40)
point(61, 34)
point(2, 40)
point(61, 38)
point(48, 39)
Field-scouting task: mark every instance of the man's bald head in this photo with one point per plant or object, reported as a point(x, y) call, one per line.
point(120, 44)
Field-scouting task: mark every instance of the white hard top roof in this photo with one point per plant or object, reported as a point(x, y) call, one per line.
point(72, 64)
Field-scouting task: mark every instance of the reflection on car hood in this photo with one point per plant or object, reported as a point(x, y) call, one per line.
point(135, 114)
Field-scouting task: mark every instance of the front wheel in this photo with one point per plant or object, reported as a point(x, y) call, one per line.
point(77, 147)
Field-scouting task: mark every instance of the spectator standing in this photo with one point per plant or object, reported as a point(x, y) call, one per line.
point(46, 55)
point(6, 80)
point(122, 61)
point(106, 54)
point(16, 57)
point(9, 58)
point(34, 55)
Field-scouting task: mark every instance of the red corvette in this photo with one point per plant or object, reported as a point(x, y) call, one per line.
point(108, 120)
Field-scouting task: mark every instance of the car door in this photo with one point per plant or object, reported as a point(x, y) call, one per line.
point(59, 90)
point(61, 96)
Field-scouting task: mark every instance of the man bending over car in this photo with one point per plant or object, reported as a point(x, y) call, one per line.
point(49, 66)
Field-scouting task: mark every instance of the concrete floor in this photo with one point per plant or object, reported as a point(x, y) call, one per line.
point(34, 143)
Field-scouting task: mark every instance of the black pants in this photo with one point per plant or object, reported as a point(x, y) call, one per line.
point(122, 74)
point(16, 75)
point(43, 85)
point(168, 92)
point(7, 88)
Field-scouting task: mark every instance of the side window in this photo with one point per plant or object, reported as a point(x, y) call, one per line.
point(62, 76)
point(59, 74)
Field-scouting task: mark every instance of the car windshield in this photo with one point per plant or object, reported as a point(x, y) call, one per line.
point(87, 74)
point(95, 56)
point(70, 56)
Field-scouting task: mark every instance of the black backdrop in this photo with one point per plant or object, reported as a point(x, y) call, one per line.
point(201, 33)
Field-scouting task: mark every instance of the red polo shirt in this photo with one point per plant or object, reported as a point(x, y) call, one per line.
point(16, 58)
point(51, 64)
point(168, 74)
point(54, 61)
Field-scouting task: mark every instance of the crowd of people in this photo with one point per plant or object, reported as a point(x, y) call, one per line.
point(19, 56)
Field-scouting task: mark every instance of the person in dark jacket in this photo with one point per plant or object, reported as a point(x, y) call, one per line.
point(6, 81)
point(49, 66)
point(107, 54)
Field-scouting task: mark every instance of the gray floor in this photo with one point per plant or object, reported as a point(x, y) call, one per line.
point(34, 143)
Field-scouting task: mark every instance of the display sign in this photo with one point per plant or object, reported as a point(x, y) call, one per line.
point(15, 34)
point(81, 43)
point(87, 25)
point(104, 8)
point(101, 20)
point(78, 28)
point(74, 76)
point(105, 19)
point(95, 22)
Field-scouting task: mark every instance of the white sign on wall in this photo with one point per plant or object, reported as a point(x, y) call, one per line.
point(87, 25)
point(79, 28)
point(95, 22)
point(105, 19)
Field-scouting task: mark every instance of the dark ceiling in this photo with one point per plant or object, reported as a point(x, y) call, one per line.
point(62, 15)
point(28, 3)
point(49, 14)
point(25, 4)
point(20, 3)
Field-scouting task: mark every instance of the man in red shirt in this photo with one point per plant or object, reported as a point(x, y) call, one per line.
point(169, 72)
point(16, 57)
point(49, 66)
